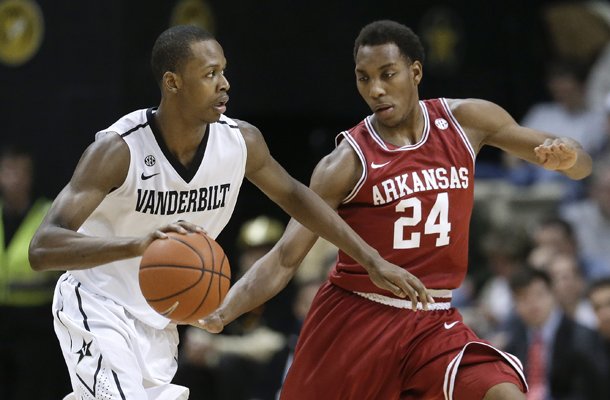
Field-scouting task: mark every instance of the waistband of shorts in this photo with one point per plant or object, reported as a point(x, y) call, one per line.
point(442, 298)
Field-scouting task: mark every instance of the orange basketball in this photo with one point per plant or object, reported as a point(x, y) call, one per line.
point(184, 277)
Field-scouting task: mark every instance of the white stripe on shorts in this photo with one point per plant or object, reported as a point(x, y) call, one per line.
point(400, 303)
point(452, 368)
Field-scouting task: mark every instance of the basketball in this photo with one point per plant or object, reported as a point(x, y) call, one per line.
point(184, 277)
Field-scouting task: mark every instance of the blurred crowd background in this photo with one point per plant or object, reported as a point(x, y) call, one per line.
point(540, 244)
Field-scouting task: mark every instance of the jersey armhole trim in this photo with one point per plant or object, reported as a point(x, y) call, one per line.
point(244, 148)
point(360, 154)
point(121, 188)
point(460, 130)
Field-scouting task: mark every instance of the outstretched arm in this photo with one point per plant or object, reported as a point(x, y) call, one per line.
point(486, 123)
point(333, 178)
point(266, 278)
point(272, 272)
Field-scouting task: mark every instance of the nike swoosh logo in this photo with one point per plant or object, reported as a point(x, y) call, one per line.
point(170, 310)
point(145, 177)
point(451, 325)
point(375, 166)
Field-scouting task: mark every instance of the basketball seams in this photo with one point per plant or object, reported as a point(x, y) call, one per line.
point(151, 266)
point(198, 292)
point(212, 246)
point(211, 271)
point(187, 244)
point(186, 289)
point(220, 280)
point(211, 279)
point(222, 274)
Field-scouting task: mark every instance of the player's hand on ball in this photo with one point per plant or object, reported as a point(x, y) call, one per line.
point(556, 154)
point(182, 227)
point(213, 323)
point(402, 283)
point(185, 226)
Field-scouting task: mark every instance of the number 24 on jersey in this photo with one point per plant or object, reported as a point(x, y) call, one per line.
point(437, 222)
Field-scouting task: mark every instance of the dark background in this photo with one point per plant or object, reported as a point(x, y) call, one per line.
point(289, 64)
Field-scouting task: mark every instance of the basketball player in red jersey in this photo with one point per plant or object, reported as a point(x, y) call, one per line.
point(403, 180)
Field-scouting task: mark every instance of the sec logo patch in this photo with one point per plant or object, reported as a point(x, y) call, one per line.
point(441, 123)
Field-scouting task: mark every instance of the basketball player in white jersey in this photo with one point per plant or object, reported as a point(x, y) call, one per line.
point(403, 179)
point(175, 168)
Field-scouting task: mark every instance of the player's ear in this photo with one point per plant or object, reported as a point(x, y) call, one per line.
point(171, 82)
point(417, 71)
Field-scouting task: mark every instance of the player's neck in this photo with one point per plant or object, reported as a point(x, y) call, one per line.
point(174, 123)
point(407, 132)
point(181, 136)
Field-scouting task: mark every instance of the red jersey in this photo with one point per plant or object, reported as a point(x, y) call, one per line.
point(412, 203)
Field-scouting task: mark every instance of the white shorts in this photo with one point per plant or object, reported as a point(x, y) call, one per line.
point(110, 354)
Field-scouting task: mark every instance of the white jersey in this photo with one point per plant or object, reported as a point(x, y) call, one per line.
point(159, 190)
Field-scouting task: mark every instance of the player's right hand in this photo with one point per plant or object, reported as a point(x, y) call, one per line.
point(400, 282)
point(213, 323)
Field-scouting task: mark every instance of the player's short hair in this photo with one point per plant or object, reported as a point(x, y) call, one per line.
point(172, 48)
point(386, 31)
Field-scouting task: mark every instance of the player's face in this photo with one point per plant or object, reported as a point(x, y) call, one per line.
point(388, 81)
point(203, 86)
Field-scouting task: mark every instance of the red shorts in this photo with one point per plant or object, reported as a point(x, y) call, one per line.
point(354, 348)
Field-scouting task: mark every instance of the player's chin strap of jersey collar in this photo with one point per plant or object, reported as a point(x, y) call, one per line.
point(442, 298)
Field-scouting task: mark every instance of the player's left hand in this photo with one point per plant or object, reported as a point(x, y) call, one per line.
point(556, 154)
point(182, 226)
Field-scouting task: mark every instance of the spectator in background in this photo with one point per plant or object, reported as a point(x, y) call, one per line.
point(590, 219)
point(555, 251)
point(254, 349)
point(569, 288)
point(599, 295)
point(598, 80)
point(550, 236)
point(31, 365)
point(560, 356)
point(567, 114)
point(553, 236)
point(504, 252)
